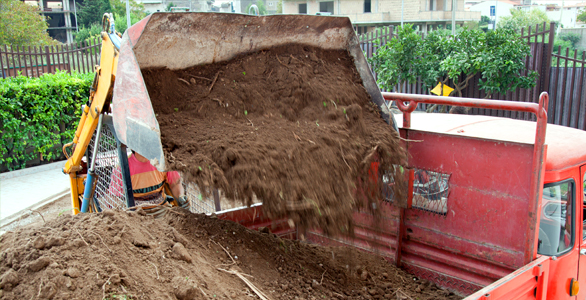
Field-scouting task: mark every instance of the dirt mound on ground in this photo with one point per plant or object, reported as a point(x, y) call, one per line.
point(292, 125)
point(122, 255)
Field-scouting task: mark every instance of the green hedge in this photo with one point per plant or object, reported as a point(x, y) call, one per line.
point(38, 115)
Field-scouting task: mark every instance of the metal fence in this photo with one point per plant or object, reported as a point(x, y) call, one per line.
point(567, 95)
point(562, 76)
point(36, 61)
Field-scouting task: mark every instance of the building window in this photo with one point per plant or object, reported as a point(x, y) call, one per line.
point(327, 6)
point(367, 7)
point(303, 8)
point(270, 4)
point(432, 4)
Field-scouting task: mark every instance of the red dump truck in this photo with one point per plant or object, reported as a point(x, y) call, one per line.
point(495, 208)
point(495, 205)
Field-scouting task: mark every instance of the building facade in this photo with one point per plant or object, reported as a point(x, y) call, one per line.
point(367, 14)
point(494, 9)
point(61, 17)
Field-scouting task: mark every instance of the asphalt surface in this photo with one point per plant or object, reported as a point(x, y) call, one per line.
point(24, 190)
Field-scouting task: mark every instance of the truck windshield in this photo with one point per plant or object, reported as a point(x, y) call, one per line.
point(556, 226)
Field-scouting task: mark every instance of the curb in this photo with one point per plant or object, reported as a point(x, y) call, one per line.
point(12, 218)
point(33, 170)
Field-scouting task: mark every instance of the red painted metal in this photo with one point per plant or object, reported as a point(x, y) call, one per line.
point(521, 284)
point(400, 237)
point(135, 31)
point(540, 111)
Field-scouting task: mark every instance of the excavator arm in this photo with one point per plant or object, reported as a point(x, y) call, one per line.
point(100, 97)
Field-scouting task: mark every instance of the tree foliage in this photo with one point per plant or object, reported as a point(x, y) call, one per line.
point(86, 33)
point(280, 7)
point(170, 5)
point(22, 25)
point(137, 13)
point(395, 62)
point(522, 19)
point(582, 16)
point(136, 8)
point(498, 56)
point(92, 11)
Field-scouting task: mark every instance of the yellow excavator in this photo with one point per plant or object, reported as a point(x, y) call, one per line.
point(119, 113)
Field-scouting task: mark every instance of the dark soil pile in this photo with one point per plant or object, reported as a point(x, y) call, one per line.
point(122, 255)
point(292, 125)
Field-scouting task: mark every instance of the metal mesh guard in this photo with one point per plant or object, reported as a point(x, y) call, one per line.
point(109, 191)
point(197, 203)
point(430, 191)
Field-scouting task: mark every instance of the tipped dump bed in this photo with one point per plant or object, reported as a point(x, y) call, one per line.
point(183, 40)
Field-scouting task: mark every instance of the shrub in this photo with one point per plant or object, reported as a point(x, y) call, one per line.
point(38, 115)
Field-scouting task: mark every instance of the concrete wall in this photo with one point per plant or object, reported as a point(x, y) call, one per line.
point(580, 31)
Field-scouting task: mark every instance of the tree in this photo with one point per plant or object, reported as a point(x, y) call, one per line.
point(169, 6)
point(92, 11)
point(498, 56)
point(523, 19)
point(395, 62)
point(582, 16)
point(137, 13)
point(119, 8)
point(280, 7)
point(21, 24)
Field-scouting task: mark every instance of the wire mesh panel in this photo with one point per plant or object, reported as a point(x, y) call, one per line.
point(109, 191)
point(197, 202)
point(430, 191)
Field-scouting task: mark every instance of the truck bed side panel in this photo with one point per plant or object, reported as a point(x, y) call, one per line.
point(481, 236)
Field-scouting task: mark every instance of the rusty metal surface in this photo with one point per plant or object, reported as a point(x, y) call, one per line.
point(183, 40)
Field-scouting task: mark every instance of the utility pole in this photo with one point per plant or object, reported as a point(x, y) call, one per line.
point(496, 6)
point(402, 10)
point(454, 3)
point(561, 13)
point(128, 14)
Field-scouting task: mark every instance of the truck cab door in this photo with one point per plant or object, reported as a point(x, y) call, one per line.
point(582, 261)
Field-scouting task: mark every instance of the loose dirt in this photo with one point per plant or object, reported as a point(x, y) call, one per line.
point(292, 126)
point(129, 255)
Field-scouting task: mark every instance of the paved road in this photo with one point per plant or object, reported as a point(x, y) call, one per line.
point(30, 188)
